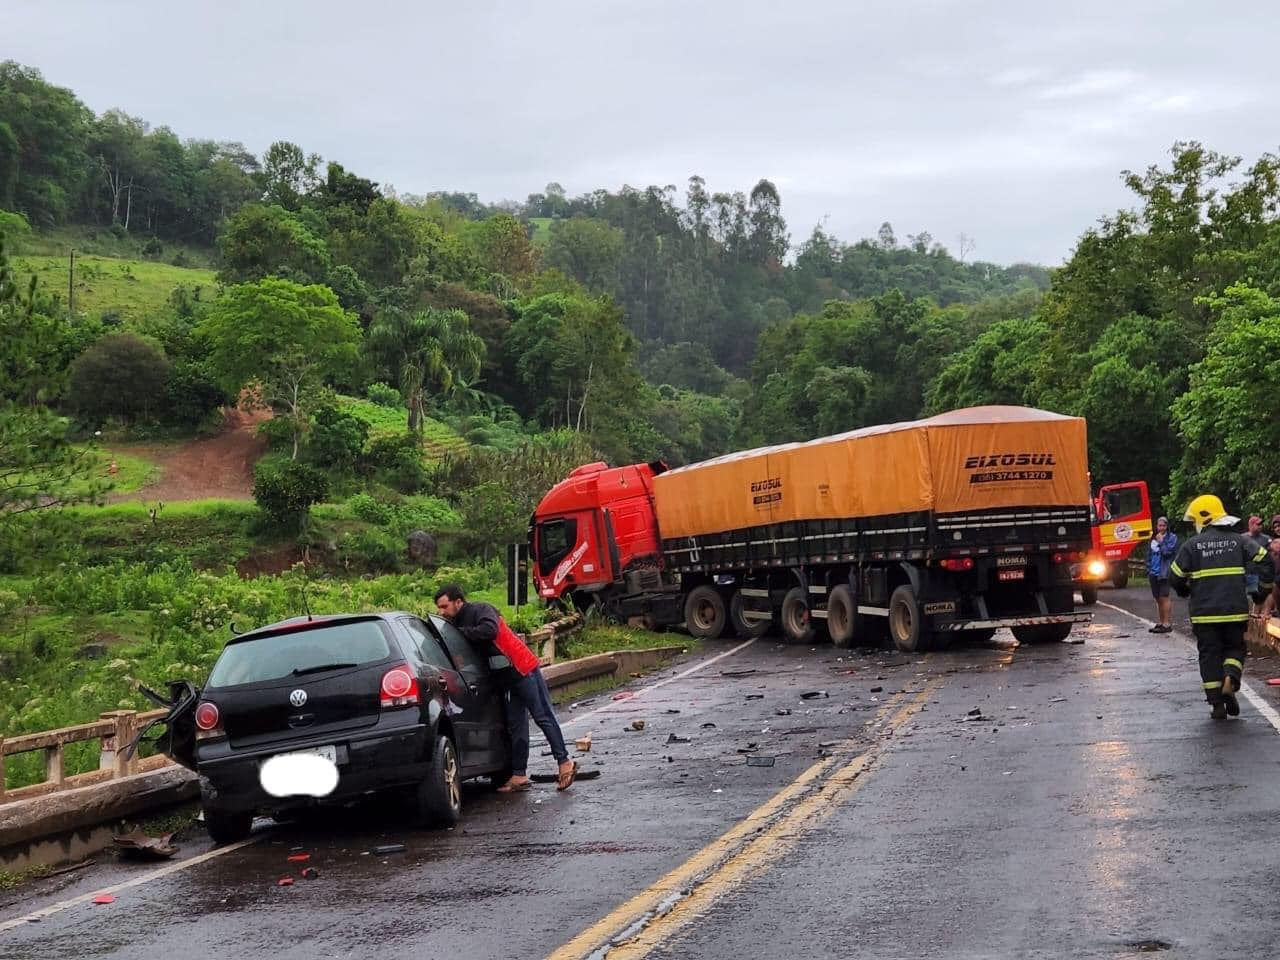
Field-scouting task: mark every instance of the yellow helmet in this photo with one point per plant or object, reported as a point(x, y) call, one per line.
point(1207, 510)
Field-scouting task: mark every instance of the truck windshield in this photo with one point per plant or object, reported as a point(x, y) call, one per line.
point(555, 539)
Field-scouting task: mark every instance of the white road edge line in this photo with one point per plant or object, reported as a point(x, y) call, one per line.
point(661, 683)
point(136, 881)
point(1260, 704)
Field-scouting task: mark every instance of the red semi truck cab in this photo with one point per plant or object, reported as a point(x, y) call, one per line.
point(595, 528)
point(1119, 520)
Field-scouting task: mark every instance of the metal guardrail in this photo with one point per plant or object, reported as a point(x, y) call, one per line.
point(118, 727)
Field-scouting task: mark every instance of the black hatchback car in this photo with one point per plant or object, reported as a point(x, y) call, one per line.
point(391, 699)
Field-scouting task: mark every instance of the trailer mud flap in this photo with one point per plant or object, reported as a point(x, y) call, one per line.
point(995, 623)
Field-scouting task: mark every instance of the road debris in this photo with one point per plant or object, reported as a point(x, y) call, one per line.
point(672, 710)
point(299, 857)
point(104, 898)
point(814, 695)
point(794, 731)
point(755, 696)
point(749, 748)
point(759, 761)
point(137, 845)
point(310, 873)
point(737, 673)
point(583, 743)
point(783, 712)
point(708, 725)
point(877, 689)
point(624, 695)
point(285, 882)
point(390, 848)
point(676, 738)
point(637, 724)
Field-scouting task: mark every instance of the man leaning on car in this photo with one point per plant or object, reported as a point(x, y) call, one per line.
point(483, 627)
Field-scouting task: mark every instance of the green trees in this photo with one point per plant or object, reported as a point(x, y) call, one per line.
point(425, 352)
point(122, 376)
point(280, 339)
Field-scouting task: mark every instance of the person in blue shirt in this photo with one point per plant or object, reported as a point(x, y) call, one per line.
point(1160, 553)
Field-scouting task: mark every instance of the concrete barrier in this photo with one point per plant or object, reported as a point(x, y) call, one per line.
point(51, 826)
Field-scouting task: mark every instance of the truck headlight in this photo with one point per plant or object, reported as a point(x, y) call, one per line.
point(1097, 569)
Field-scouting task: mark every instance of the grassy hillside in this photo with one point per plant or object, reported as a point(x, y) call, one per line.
point(97, 241)
point(132, 289)
point(437, 438)
point(541, 231)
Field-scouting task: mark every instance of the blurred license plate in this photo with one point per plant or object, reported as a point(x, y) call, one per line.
point(1012, 574)
point(330, 753)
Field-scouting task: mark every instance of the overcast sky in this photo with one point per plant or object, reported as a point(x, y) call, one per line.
point(1007, 121)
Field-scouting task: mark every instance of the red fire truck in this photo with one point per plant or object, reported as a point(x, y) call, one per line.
point(1120, 519)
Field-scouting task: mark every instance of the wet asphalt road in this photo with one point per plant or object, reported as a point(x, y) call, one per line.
point(1091, 810)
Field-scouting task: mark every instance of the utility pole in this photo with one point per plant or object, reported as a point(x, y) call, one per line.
point(71, 286)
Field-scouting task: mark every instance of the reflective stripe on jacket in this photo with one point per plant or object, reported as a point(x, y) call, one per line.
point(1211, 564)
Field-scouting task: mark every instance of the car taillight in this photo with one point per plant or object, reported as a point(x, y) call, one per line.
point(208, 721)
point(399, 687)
point(964, 563)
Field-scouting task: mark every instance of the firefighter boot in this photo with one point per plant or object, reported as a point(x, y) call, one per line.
point(1229, 687)
point(1219, 711)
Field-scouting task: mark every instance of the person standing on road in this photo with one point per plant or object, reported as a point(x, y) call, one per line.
point(1209, 568)
point(527, 693)
point(1160, 553)
point(1259, 577)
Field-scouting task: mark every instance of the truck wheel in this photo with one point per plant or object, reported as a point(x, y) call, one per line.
point(704, 613)
point(1088, 596)
point(745, 628)
point(796, 622)
point(1042, 633)
point(840, 613)
point(1120, 579)
point(905, 626)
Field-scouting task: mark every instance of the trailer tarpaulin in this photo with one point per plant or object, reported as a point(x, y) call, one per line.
point(973, 459)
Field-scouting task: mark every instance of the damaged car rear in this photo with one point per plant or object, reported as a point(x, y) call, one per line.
point(328, 709)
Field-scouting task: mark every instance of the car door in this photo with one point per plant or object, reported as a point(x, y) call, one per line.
point(490, 697)
point(461, 700)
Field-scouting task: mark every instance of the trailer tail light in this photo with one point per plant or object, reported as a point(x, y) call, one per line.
point(208, 721)
point(1071, 557)
point(399, 687)
point(964, 563)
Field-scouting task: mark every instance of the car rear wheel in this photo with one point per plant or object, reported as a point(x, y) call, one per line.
point(225, 827)
point(439, 796)
point(1088, 596)
point(1120, 578)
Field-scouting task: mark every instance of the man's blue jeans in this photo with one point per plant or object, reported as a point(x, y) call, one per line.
point(531, 698)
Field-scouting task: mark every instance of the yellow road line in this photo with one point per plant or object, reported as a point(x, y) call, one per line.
point(637, 926)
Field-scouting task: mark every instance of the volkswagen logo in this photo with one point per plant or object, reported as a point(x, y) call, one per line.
point(298, 698)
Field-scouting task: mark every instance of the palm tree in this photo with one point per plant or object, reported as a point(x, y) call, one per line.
point(426, 352)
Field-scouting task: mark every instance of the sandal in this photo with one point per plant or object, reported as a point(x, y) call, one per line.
point(519, 786)
point(567, 777)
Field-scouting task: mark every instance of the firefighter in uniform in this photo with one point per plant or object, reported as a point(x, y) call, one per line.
point(1209, 568)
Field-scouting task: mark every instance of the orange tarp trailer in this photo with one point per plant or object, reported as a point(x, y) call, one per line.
point(976, 459)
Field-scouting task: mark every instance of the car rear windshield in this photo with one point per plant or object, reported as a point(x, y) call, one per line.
point(284, 655)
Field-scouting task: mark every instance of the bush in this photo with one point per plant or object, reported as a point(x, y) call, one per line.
point(121, 375)
point(152, 248)
point(384, 395)
point(14, 226)
point(286, 491)
point(278, 432)
point(191, 395)
point(371, 551)
point(180, 259)
point(118, 231)
point(366, 508)
point(397, 460)
point(337, 439)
